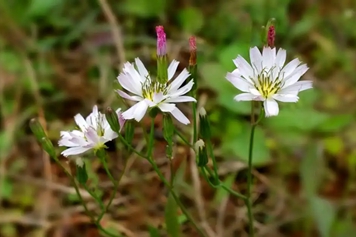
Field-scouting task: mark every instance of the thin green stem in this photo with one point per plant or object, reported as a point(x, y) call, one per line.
point(249, 182)
point(166, 183)
point(181, 136)
point(211, 152)
point(175, 196)
point(248, 201)
point(87, 212)
point(131, 147)
point(195, 130)
point(151, 138)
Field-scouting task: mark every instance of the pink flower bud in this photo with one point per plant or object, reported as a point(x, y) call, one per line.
point(161, 41)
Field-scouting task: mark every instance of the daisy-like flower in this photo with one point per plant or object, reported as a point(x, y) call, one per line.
point(152, 93)
point(267, 79)
point(94, 132)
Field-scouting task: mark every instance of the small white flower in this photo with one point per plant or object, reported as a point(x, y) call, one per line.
point(150, 93)
point(94, 132)
point(267, 79)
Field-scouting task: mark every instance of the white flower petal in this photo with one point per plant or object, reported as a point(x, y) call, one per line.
point(290, 67)
point(244, 97)
point(269, 58)
point(244, 68)
point(79, 120)
point(238, 82)
point(271, 107)
point(75, 151)
point(296, 87)
point(158, 97)
point(181, 99)
point(286, 97)
point(165, 107)
point(172, 68)
point(281, 58)
point(295, 76)
point(180, 116)
point(127, 96)
point(129, 84)
point(183, 90)
point(256, 59)
point(141, 69)
point(179, 80)
point(137, 111)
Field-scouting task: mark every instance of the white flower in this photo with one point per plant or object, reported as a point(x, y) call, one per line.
point(267, 79)
point(150, 93)
point(94, 132)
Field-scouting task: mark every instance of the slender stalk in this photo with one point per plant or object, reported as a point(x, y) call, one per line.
point(248, 201)
point(180, 135)
point(166, 183)
point(115, 182)
point(151, 139)
point(195, 131)
point(211, 151)
point(249, 182)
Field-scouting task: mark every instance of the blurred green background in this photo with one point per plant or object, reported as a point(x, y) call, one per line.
point(60, 57)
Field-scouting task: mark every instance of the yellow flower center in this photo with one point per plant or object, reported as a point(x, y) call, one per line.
point(267, 86)
point(150, 88)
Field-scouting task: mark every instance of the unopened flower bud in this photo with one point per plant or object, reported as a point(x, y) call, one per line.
point(205, 132)
point(193, 51)
point(115, 120)
point(161, 41)
point(168, 127)
point(37, 129)
point(129, 131)
point(193, 63)
point(200, 149)
point(81, 171)
point(48, 147)
point(162, 73)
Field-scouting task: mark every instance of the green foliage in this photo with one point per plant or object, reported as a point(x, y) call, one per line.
point(171, 217)
point(191, 19)
point(236, 141)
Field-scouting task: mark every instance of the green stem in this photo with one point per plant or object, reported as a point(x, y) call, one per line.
point(180, 135)
point(151, 138)
point(87, 212)
point(131, 147)
point(248, 201)
point(211, 152)
point(249, 182)
point(116, 184)
point(195, 131)
point(166, 183)
point(175, 196)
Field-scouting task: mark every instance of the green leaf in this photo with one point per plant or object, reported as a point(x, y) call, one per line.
point(334, 145)
point(191, 19)
point(6, 189)
point(39, 8)
point(304, 119)
point(154, 232)
point(324, 214)
point(335, 123)
point(214, 75)
point(222, 193)
point(310, 176)
point(144, 8)
point(171, 217)
point(230, 52)
point(236, 141)
point(82, 174)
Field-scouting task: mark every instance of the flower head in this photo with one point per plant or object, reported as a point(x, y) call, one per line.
point(267, 79)
point(161, 41)
point(94, 132)
point(152, 93)
point(193, 51)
